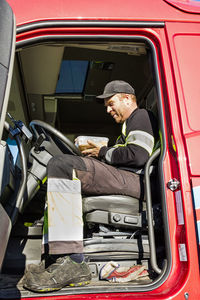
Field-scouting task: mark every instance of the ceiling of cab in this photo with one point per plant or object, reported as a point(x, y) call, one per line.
point(41, 64)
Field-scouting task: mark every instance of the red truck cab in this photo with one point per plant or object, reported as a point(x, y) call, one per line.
point(154, 45)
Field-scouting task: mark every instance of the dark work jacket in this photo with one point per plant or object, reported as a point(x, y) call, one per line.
point(135, 144)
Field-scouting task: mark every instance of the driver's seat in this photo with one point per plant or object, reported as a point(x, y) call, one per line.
point(119, 210)
point(117, 223)
point(113, 226)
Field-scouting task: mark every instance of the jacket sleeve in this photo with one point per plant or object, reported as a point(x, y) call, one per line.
point(127, 156)
point(138, 145)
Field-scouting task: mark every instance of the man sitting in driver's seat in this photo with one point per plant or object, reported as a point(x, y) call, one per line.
point(102, 171)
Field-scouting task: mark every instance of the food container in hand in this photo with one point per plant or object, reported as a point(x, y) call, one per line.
point(82, 142)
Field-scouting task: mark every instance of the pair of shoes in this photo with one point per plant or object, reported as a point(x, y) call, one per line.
point(58, 275)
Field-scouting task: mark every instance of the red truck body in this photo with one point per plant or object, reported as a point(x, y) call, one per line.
point(173, 29)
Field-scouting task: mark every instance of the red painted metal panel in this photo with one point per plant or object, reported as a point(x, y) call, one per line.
point(184, 40)
point(184, 107)
point(184, 276)
point(179, 273)
point(132, 10)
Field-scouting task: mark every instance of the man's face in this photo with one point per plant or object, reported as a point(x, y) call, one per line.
point(116, 107)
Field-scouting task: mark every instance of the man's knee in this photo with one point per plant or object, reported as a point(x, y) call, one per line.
point(62, 166)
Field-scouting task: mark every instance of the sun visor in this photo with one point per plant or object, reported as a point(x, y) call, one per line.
point(41, 67)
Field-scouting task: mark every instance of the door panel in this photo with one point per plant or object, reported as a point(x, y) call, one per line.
point(7, 47)
point(184, 41)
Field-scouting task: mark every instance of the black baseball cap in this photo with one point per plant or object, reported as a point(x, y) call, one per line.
point(115, 87)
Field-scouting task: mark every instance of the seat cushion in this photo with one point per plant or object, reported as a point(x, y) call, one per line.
point(113, 203)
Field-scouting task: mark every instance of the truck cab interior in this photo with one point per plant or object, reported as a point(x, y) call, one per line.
point(53, 92)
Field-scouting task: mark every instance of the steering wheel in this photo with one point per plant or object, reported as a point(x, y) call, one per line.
point(51, 131)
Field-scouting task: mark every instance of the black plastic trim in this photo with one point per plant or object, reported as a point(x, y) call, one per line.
point(87, 23)
point(22, 188)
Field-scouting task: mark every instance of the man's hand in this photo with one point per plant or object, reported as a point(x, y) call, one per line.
point(93, 150)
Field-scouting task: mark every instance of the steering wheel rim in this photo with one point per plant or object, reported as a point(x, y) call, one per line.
point(55, 132)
